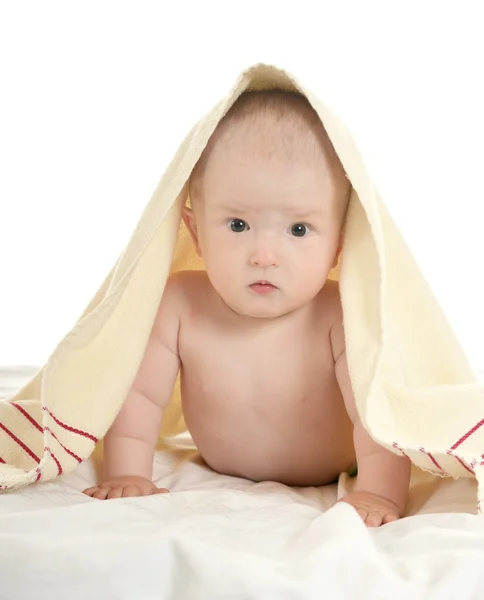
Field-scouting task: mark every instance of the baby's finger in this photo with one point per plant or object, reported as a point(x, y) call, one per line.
point(373, 520)
point(90, 491)
point(363, 514)
point(101, 493)
point(131, 491)
point(115, 492)
point(390, 518)
point(159, 491)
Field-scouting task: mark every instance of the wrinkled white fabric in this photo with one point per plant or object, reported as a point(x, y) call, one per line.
point(216, 536)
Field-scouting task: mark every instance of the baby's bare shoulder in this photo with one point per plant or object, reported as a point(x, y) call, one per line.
point(185, 289)
point(334, 310)
point(331, 313)
point(176, 292)
point(187, 283)
point(329, 299)
point(180, 292)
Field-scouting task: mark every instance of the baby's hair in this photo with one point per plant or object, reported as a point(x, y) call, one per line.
point(276, 124)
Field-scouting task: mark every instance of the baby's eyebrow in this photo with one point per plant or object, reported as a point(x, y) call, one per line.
point(294, 214)
point(305, 214)
point(236, 210)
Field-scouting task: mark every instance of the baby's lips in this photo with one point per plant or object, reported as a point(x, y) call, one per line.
point(263, 282)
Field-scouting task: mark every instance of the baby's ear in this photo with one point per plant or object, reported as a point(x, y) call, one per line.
point(191, 224)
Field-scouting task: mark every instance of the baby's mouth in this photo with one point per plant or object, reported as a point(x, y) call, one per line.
point(262, 287)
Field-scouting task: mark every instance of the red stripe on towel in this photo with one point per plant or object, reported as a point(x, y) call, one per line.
point(464, 465)
point(20, 443)
point(59, 466)
point(78, 458)
point(467, 435)
point(71, 429)
point(27, 416)
point(433, 460)
point(2, 461)
point(395, 445)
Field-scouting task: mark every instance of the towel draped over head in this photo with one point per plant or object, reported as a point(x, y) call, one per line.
point(414, 388)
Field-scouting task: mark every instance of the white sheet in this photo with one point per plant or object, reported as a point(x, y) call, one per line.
point(223, 537)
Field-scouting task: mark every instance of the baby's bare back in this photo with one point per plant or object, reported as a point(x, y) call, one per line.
point(260, 397)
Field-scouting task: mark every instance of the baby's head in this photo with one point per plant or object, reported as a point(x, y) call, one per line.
point(269, 198)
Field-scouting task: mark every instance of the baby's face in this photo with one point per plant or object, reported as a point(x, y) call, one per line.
point(268, 232)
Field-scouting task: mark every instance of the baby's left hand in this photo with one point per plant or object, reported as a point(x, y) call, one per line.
point(374, 510)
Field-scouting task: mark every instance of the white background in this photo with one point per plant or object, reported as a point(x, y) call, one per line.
point(96, 96)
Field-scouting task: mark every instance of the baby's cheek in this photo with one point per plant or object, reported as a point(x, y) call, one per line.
point(313, 270)
point(225, 273)
point(222, 261)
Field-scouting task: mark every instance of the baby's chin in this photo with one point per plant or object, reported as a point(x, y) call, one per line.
point(262, 315)
point(260, 310)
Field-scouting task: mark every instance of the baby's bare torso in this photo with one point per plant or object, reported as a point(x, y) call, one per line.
point(260, 397)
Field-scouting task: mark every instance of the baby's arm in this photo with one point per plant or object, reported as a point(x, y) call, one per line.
point(383, 477)
point(381, 473)
point(130, 443)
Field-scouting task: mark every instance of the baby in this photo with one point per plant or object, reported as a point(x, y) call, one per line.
point(258, 336)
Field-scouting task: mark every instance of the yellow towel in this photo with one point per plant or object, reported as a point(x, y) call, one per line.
point(414, 388)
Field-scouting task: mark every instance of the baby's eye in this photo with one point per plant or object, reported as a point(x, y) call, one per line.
point(238, 226)
point(299, 230)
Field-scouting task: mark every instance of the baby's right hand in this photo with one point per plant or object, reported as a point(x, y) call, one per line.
point(124, 487)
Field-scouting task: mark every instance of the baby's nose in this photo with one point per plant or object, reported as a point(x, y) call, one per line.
point(263, 256)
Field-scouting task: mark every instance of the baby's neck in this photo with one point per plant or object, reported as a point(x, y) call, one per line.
point(235, 318)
